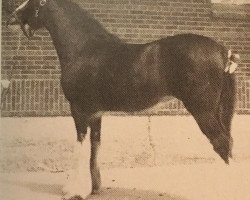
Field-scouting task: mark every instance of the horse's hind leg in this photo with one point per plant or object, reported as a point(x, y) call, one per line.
point(95, 139)
point(211, 126)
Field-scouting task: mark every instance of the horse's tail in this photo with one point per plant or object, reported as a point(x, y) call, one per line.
point(227, 100)
point(228, 93)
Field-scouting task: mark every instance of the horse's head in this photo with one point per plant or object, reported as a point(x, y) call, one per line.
point(29, 16)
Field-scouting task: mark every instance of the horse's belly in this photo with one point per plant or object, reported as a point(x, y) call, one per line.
point(160, 105)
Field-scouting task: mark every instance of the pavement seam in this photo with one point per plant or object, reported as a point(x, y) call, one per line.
point(151, 143)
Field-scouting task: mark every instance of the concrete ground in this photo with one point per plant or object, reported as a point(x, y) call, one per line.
point(141, 158)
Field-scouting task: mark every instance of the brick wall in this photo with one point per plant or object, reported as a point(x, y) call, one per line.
point(34, 71)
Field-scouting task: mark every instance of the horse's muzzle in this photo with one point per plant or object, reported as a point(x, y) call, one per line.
point(28, 31)
point(14, 20)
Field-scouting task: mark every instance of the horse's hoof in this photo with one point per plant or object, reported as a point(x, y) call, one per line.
point(74, 193)
point(95, 192)
point(75, 197)
point(77, 187)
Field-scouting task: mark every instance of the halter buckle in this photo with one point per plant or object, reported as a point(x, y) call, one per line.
point(36, 13)
point(43, 2)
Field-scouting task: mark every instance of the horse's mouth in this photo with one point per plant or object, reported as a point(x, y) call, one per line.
point(28, 31)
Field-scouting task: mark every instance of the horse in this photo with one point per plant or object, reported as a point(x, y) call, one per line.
point(100, 72)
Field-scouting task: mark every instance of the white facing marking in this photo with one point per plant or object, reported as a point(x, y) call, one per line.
point(22, 5)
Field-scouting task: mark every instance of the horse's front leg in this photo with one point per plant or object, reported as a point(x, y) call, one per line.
point(78, 185)
point(95, 139)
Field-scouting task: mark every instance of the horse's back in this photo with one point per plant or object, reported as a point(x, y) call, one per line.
point(195, 50)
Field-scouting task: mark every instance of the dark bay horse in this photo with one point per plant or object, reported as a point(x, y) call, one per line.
point(102, 73)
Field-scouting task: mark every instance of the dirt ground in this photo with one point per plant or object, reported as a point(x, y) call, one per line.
point(180, 182)
point(153, 165)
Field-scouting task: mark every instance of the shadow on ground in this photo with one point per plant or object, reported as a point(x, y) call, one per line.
point(51, 189)
point(132, 194)
point(105, 194)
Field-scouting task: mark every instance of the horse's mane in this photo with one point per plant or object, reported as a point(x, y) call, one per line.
point(84, 20)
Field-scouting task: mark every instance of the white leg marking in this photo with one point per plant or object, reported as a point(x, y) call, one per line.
point(79, 180)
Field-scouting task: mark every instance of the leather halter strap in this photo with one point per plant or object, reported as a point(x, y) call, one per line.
point(41, 4)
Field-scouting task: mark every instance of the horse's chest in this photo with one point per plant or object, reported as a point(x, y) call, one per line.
point(78, 83)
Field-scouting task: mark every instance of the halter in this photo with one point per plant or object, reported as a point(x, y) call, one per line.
point(41, 4)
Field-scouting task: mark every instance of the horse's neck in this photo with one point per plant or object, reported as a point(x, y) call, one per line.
point(67, 37)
